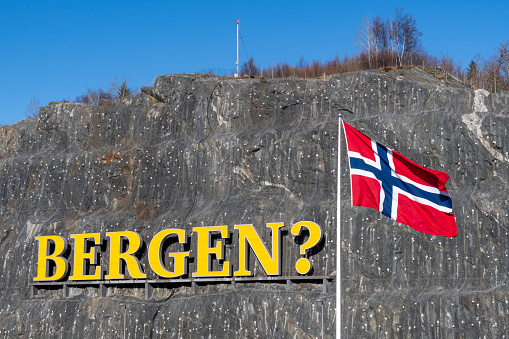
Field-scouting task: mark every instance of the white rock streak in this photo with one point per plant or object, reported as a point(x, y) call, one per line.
point(473, 121)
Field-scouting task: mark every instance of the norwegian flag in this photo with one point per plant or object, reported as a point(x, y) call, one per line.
point(398, 187)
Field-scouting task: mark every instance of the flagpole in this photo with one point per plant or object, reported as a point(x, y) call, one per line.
point(338, 237)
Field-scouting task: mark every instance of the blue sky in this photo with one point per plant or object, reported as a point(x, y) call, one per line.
point(55, 50)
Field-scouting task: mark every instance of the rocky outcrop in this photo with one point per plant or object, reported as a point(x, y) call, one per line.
point(189, 152)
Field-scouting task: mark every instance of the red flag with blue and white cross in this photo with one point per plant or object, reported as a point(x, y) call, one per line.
point(396, 186)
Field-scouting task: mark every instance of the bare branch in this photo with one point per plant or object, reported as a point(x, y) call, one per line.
point(32, 110)
point(365, 37)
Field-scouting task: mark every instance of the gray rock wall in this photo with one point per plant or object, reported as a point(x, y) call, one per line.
point(189, 152)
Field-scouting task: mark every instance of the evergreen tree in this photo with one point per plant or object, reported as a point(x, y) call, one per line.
point(123, 92)
point(472, 71)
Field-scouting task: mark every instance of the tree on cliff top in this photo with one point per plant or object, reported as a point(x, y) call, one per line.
point(32, 110)
point(249, 68)
point(472, 72)
point(503, 63)
point(389, 42)
point(406, 35)
point(120, 89)
point(123, 92)
point(365, 37)
point(93, 97)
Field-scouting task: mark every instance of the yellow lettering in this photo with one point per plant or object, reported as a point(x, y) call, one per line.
point(43, 269)
point(132, 263)
point(80, 256)
point(303, 265)
point(203, 267)
point(248, 234)
point(179, 258)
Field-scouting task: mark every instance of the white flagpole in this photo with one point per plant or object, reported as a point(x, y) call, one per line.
point(338, 237)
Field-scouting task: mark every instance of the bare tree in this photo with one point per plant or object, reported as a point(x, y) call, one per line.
point(380, 37)
point(365, 37)
point(93, 97)
point(411, 35)
point(481, 69)
point(249, 68)
point(446, 62)
point(503, 64)
point(32, 110)
point(398, 39)
point(405, 35)
point(301, 63)
point(394, 38)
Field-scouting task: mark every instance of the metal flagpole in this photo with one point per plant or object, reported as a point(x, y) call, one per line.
point(237, 21)
point(338, 237)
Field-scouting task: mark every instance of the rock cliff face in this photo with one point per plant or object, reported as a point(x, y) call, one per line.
point(190, 152)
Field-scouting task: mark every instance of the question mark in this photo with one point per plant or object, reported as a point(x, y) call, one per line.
point(303, 265)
